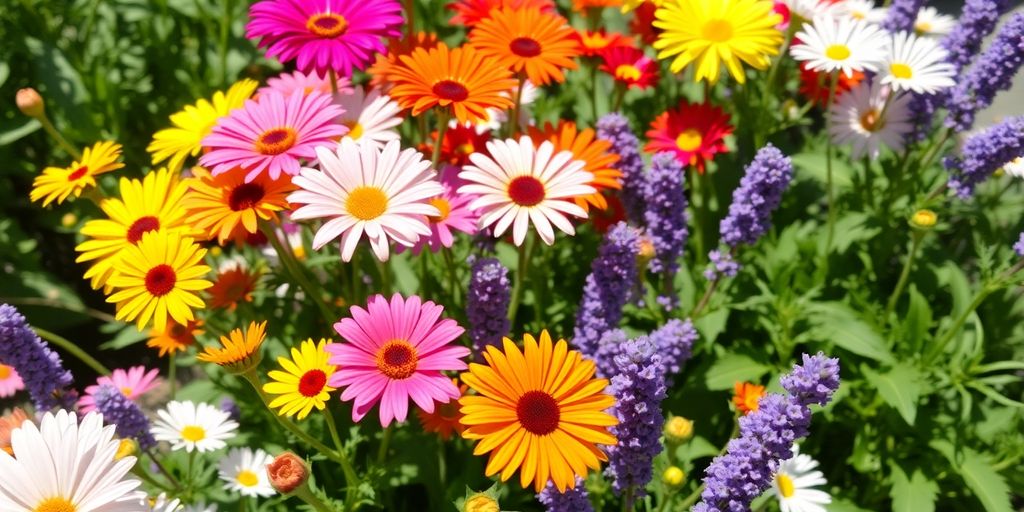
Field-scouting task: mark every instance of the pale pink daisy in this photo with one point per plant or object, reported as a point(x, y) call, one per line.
point(455, 214)
point(133, 383)
point(395, 351)
point(324, 34)
point(10, 381)
point(371, 117)
point(519, 185)
point(272, 134)
point(287, 83)
point(359, 189)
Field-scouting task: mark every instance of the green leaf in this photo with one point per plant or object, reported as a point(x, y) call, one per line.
point(841, 505)
point(986, 483)
point(711, 325)
point(900, 387)
point(126, 336)
point(914, 494)
point(994, 395)
point(813, 164)
point(836, 322)
point(11, 133)
point(852, 228)
point(733, 368)
point(919, 318)
point(694, 449)
point(951, 277)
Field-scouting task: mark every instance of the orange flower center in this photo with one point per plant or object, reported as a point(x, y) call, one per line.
point(627, 72)
point(538, 412)
point(450, 90)
point(717, 31)
point(327, 25)
point(78, 173)
point(245, 196)
point(872, 120)
point(355, 130)
point(57, 504)
point(449, 410)
point(465, 148)
point(312, 383)
point(689, 140)
point(525, 47)
point(442, 206)
point(5, 371)
point(526, 191)
point(181, 334)
point(160, 280)
point(366, 203)
point(276, 141)
point(397, 359)
point(140, 227)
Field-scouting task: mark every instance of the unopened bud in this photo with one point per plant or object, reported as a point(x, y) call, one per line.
point(924, 219)
point(481, 502)
point(287, 472)
point(29, 102)
point(673, 477)
point(678, 430)
point(646, 252)
point(69, 220)
point(125, 449)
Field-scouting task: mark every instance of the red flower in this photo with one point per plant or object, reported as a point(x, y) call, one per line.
point(694, 132)
point(459, 142)
point(630, 67)
point(642, 23)
point(471, 12)
point(593, 43)
point(814, 85)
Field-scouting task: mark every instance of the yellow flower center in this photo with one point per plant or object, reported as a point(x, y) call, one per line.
point(481, 503)
point(5, 371)
point(366, 203)
point(627, 72)
point(125, 448)
point(717, 31)
point(327, 25)
point(838, 52)
point(57, 504)
point(785, 484)
point(193, 433)
point(858, 15)
point(465, 148)
point(355, 130)
point(126, 391)
point(442, 206)
point(923, 27)
point(872, 120)
point(901, 70)
point(276, 141)
point(247, 478)
point(689, 140)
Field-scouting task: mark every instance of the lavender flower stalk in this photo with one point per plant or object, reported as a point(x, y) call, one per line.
point(487, 303)
point(639, 388)
point(40, 367)
point(977, 20)
point(1019, 246)
point(992, 72)
point(734, 479)
point(121, 412)
point(674, 342)
point(572, 500)
point(615, 128)
point(665, 211)
point(984, 153)
point(901, 15)
point(612, 276)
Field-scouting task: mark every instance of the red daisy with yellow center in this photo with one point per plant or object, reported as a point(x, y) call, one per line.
point(694, 132)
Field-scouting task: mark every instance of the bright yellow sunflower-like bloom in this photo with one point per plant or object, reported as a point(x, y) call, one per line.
point(239, 352)
point(56, 183)
point(158, 280)
point(150, 204)
point(195, 122)
point(716, 32)
point(540, 411)
point(303, 383)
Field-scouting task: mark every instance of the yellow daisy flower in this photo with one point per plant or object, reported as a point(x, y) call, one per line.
point(150, 204)
point(239, 352)
point(195, 122)
point(158, 279)
point(303, 384)
point(716, 32)
point(57, 183)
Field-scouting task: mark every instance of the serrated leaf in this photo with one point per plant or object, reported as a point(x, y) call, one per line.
point(914, 494)
point(986, 483)
point(900, 387)
point(836, 322)
point(733, 368)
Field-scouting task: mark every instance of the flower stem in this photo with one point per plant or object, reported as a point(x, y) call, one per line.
point(828, 165)
point(706, 298)
point(293, 267)
point(305, 494)
point(333, 77)
point(410, 18)
point(333, 428)
point(453, 279)
point(225, 31)
point(162, 469)
point(517, 281)
point(73, 349)
point(514, 122)
point(382, 451)
point(939, 346)
point(902, 282)
point(442, 127)
point(172, 370)
point(61, 141)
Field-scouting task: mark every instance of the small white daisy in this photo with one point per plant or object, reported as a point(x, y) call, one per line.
point(917, 64)
point(863, 10)
point(161, 504)
point(793, 485)
point(371, 118)
point(245, 471)
point(190, 426)
point(845, 44)
point(1015, 167)
point(861, 118)
point(66, 466)
point(930, 23)
point(518, 185)
point(808, 10)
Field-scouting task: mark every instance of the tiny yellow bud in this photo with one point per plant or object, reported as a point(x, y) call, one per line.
point(924, 219)
point(216, 251)
point(68, 220)
point(125, 449)
point(481, 502)
point(678, 430)
point(1000, 171)
point(29, 102)
point(646, 252)
point(673, 477)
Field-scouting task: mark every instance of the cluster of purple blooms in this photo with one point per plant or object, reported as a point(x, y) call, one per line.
point(672, 341)
point(614, 128)
point(992, 71)
point(665, 211)
point(984, 153)
point(46, 380)
point(901, 15)
point(572, 500)
point(613, 274)
point(124, 414)
point(487, 303)
point(767, 435)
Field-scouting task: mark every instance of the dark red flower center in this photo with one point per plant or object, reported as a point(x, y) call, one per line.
point(327, 25)
point(78, 173)
point(245, 196)
point(312, 383)
point(538, 412)
point(525, 47)
point(526, 191)
point(160, 280)
point(397, 359)
point(450, 90)
point(257, 239)
point(140, 227)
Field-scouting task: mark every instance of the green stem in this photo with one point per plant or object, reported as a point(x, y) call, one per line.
point(620, 94)
point(333, 428)
point(188, 471)
point(57, 304)
point(172, 370)
point(940, 345)
point(61, 141)
point(292, 266)
point(770, 84)
point(627, 500)
point(385, 440)
point(163, 470)
point(410, 19)
point(334, 81)
point(385, 276)
point(517, 279)
point(73, 349)
point(828, 165)
point(442, 127)
point(305, 494)
point(514, 122)
point(706, 298)
point(453, 279)
point(915, 243)
point(137, 470)
point(225, 32)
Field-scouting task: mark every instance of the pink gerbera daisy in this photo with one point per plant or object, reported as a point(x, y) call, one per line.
point(455, 214)
point(10, 381)
point(395, 351)
point(287, 83)
point(324, 34)
point(133, 383)
point(271, 134)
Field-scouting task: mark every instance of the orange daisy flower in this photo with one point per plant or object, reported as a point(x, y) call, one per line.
point(746, 396)
point(592, 44)
point(471, 12)
point(232, 287)
point(174, 337)
point(528, 41)
point(239, 351)
point(445, 418)
point(381, 69)
point(583, 5)
point(462, 79)
point(225, 206)
point(594, 152)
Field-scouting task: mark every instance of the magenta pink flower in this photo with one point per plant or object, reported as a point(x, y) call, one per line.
point(287, 83)
point(396, 351)
point(455, 214)
point(324, 34)
point(272, 133)
point(134, 383)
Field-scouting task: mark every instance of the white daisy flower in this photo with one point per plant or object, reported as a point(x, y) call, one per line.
point(161, 504)
point(245, 471)
point(66, 466)
point(370, 118)
point(863, 10)
point(200, 506)
point(917, 64)
point(1015, 167)
point(861, 118)
point(845, 44)
point(359, 189)
point(190, 426)
point(930, 23)
point(793, 485)
point(808, 10)
point(518, 185)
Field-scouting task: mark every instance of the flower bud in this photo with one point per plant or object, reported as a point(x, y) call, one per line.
point(127, 448)
point(646, 252)
point(678, 430)
point(673, 477)
point(924, 219)
point(69, 220)
point(29, 102)
point(481, 502)
point(287, 472)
